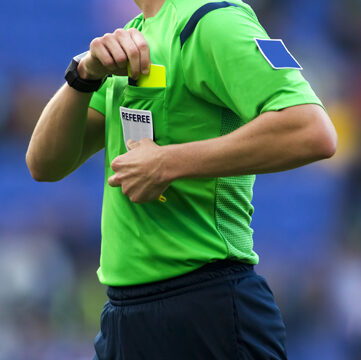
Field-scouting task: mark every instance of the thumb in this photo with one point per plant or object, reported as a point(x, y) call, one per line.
point(131, 144)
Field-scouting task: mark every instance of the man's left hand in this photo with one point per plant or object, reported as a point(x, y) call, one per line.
point(140, 172)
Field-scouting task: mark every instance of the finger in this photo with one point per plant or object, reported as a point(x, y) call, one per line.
point(114, 181)
point(103, 55)
point(136, 200)
point(131, 50)
point(116, 51)
point(146, 141)
point(131, 144)
point(142, 198)
point(116, 164)
point(143, 48)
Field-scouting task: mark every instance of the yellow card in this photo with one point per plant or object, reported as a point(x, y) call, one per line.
point(155, 78)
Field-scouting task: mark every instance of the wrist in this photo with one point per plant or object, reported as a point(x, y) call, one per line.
point(172, 167)
point(85, 74)
point(76, 81)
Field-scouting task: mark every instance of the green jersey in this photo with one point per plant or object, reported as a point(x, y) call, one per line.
point(217, 80)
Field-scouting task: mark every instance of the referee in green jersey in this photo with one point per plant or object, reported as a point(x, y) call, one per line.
point(225, 102)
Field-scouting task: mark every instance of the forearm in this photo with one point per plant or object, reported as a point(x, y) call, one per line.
point(57, 141)
point(275, 141)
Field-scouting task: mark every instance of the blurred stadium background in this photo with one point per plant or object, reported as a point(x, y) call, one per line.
point(307, 221)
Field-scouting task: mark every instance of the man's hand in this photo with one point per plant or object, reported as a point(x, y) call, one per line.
point(110, 54)
point(140, 172)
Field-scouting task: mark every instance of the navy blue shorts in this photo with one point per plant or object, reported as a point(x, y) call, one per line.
point(222, 311)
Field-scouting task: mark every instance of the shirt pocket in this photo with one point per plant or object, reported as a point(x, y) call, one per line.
point(149, 99)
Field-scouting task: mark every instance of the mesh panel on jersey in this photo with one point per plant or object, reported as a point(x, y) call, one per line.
point(233, 209)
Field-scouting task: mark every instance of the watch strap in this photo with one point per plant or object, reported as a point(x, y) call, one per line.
point(75, 81)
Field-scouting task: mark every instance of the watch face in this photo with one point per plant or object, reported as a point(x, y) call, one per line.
point(81, 56)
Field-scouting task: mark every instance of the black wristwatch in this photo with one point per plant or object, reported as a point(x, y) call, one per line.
point(76, 82)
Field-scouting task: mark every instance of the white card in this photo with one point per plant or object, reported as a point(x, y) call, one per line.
point(137, 124)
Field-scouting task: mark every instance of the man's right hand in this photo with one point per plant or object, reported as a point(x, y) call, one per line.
point(110, 54)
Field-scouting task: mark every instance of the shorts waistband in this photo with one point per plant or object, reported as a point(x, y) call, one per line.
point(127, 295)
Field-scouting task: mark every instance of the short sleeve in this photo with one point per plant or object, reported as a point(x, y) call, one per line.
point(97, 101)
point(223, 65)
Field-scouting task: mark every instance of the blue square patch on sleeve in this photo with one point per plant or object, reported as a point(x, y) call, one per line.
point(277, 55)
